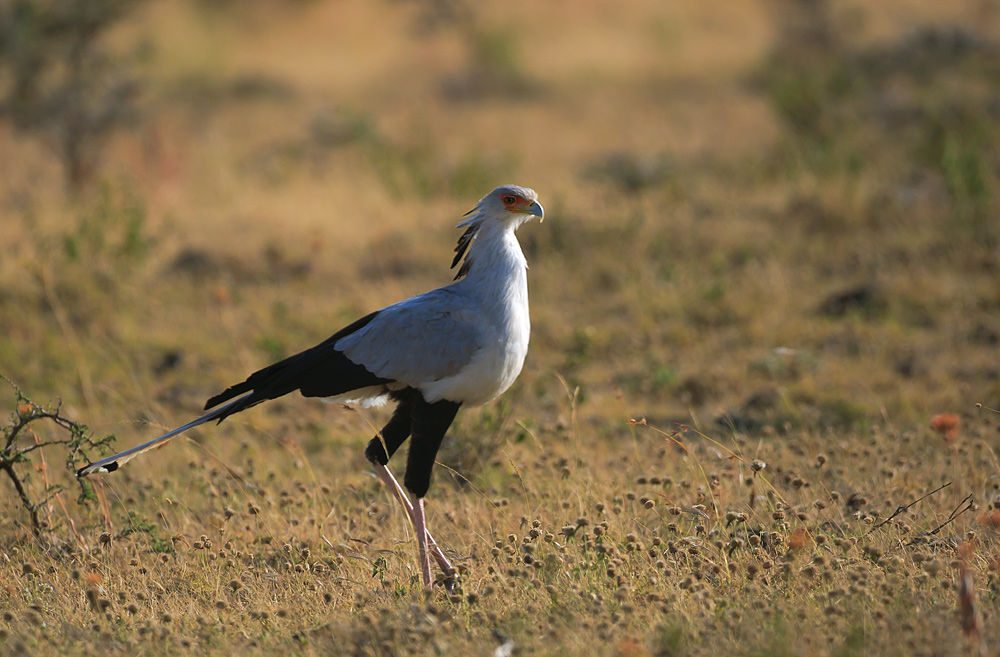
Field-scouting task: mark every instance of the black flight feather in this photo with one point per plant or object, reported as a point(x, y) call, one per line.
point(321, 371)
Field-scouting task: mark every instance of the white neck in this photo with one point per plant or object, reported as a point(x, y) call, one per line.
point(496, 265)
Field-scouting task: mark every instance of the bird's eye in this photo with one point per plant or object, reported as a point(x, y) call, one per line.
point(509, 200)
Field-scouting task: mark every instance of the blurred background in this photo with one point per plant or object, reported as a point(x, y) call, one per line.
point(763, 216)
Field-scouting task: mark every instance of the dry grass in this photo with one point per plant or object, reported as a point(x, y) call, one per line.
point(775, 226)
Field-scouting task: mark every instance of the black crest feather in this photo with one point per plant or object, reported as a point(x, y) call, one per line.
point(462, 248)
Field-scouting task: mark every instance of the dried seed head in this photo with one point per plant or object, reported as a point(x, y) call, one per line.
point(933, 567)
point(872, 552)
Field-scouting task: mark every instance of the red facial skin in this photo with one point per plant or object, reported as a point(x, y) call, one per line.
point(514, 203)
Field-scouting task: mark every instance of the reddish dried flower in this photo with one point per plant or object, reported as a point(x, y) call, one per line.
point(798, 539)
point(990, 519)
point(946, 424)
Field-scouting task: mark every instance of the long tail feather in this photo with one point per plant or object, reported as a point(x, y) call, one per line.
point(112, 463)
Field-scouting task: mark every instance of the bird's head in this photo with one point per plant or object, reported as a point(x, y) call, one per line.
point(507, 204)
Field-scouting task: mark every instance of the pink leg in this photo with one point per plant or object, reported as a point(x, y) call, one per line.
point(420, 527)
point(442, 561)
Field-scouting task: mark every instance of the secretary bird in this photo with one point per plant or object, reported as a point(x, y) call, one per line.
point(462, 344)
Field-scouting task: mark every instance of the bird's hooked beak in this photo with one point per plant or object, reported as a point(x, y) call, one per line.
point(535, 209)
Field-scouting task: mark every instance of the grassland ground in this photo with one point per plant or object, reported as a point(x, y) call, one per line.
point(770, 258)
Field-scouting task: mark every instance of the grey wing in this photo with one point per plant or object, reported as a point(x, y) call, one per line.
point(427, 338)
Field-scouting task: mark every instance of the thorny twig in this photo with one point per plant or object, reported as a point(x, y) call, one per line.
point(14, 459)
point(905, 507)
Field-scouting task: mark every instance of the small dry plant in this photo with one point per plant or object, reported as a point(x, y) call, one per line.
point(22, 452)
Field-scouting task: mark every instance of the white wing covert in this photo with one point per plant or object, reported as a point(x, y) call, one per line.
point(421, 340)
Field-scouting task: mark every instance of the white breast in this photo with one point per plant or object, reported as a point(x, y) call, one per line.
point(492, 369)
point(498, 282)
